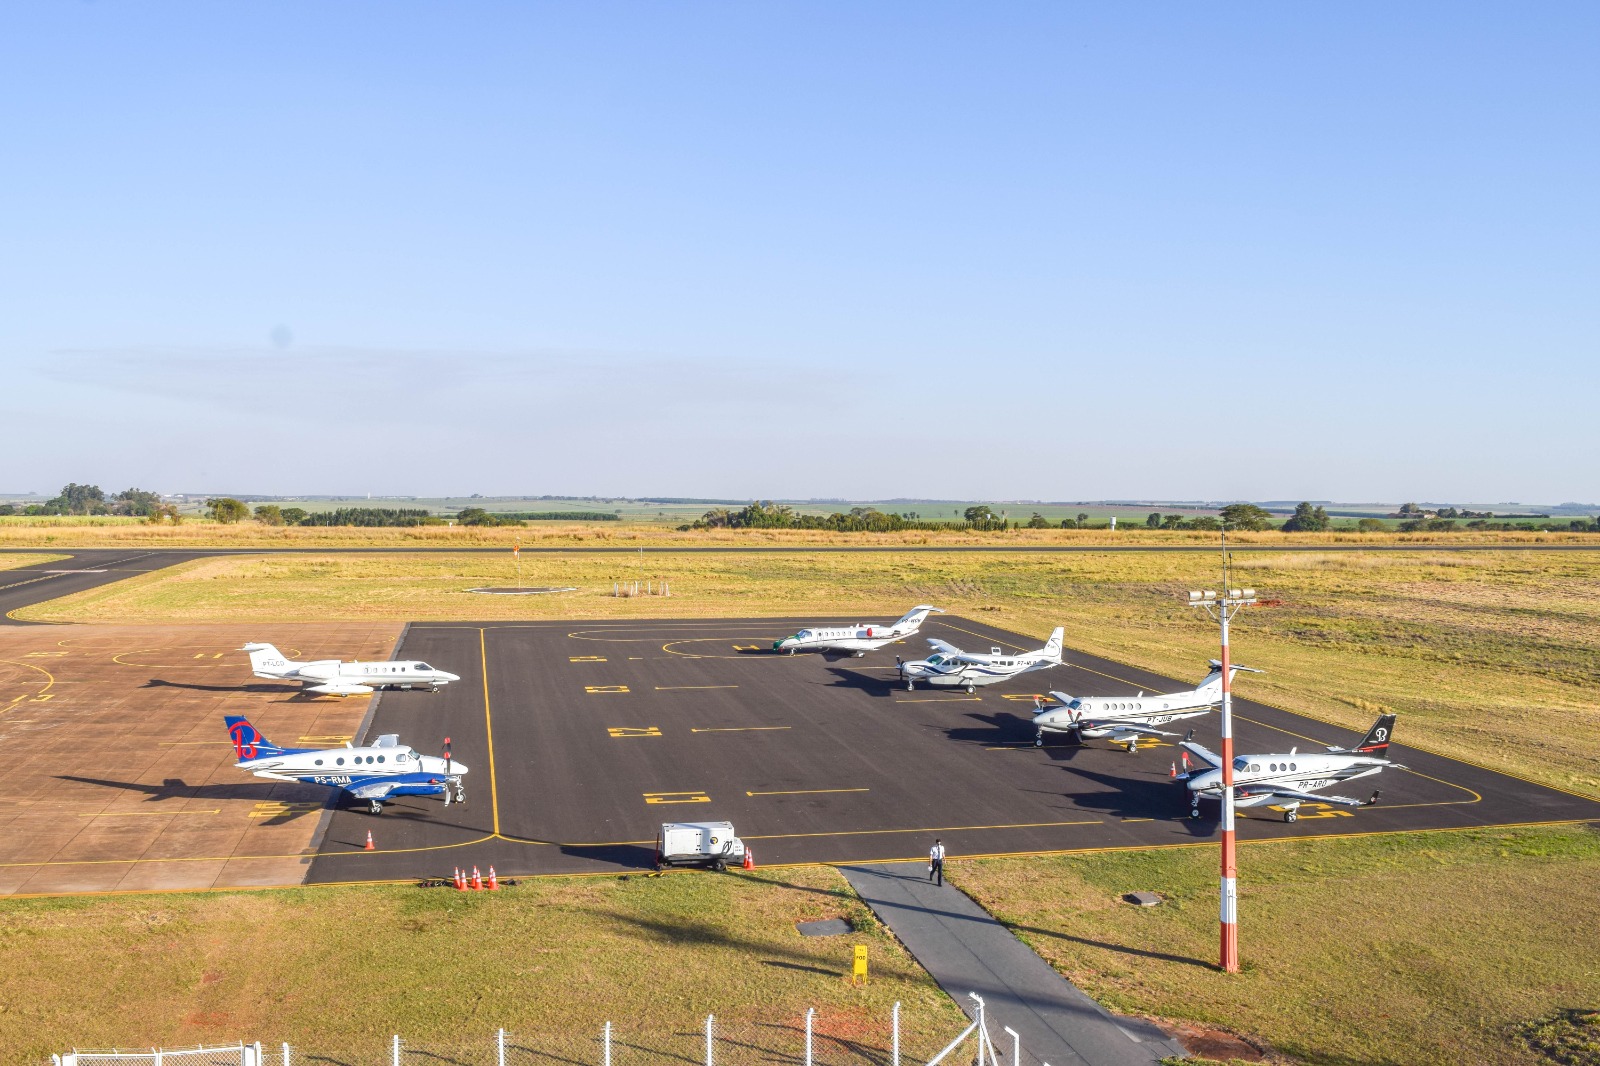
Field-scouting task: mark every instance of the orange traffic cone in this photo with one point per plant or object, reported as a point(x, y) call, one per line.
point(494, 882)
point(1174, 770)
point(749, 859)
point(370, 845)
point(460, 880)
point(477, 880)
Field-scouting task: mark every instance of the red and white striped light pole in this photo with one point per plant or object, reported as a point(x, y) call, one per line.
point(1226, 606)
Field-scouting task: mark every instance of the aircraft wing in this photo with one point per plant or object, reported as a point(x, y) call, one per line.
point(373, 790)
point(1123, 727)
point(1308, 797)
point(1201, 752)
point(948, 649)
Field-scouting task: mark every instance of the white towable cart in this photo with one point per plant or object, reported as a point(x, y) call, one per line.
point(707, 844)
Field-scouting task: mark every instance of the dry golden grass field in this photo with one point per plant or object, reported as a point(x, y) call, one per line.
point(112, 532)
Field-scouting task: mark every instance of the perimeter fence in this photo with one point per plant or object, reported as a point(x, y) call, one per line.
point(816, 1038)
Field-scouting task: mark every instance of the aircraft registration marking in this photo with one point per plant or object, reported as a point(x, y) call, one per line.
point(676, 797)
point(586, 658)
point(634, 731)
point(600, 690)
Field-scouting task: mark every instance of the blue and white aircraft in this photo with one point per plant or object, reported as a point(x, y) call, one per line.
point(953, 668)
point(375, 773)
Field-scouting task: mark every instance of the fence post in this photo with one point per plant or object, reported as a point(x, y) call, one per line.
point(896, 1060)
point(1016, 1046)
point(395, 1055)
point(810, 1013)
point(285, 1055)
point(710, 1059)
point(261, 1056)
point(500, 1046)
point(155, 1056)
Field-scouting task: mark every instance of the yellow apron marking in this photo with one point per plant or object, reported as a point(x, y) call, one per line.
point(634, 731)
point(586, 658)
point(676, 797)
point(739, 728)
point(686, 688)
point(600, 690)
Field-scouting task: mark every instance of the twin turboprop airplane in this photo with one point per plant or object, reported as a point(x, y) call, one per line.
point(1125, 719)
point(376, 773)
point(1292, 779)
point(954, 668)
point(330, 677)
point(857, 639)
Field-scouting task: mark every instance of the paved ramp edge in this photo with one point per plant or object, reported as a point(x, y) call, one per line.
point(966, 950)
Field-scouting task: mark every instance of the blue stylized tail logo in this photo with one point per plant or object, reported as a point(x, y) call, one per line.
point(247, 741)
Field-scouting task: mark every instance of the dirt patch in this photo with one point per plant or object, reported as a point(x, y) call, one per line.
point(1210, 1042)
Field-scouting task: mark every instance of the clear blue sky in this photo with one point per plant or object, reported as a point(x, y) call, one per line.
point(861, 250)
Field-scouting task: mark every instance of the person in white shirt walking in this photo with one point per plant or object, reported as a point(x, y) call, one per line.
point(936, 862)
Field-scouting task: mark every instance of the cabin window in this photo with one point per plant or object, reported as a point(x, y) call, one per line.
point(319, 762)
point(1293, 767)
point(1255, 767)
point(339, 761)
point(380, 758)
point(1273, 768)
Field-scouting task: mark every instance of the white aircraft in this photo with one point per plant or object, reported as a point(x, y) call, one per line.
point(1124, 719)
point(859, 638)
point(376, 773)
point(330, 677)
point(954, 668)
point(1292, 779)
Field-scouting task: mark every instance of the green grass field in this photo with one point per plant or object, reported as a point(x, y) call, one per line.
point(337, 971)
point(1416, 950)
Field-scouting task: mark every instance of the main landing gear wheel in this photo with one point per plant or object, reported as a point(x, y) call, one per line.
point(1133, 747)
point(1290, 816)
point(374, 807)
point(970, 690)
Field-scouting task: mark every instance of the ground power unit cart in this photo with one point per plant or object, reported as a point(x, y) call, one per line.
point(705, 844)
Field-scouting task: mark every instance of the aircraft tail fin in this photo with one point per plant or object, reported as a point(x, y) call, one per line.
point(268, 661)
point(248, 743)
point(1052, 647)
point(915, 616)
point(1376, 742)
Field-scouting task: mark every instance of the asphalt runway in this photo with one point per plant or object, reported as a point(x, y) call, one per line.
point(582, 737)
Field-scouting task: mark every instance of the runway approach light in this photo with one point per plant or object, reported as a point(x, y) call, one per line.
point(1234, 596)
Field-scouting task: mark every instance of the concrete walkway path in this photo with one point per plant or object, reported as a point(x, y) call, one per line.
point(966, 950)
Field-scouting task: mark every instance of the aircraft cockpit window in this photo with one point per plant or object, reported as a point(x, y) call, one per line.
point(1255, 767)
point(424, 666)
point(1241, 764)
point(804, 634)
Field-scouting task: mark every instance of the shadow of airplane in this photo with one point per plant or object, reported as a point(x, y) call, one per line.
point(1143, 794)
point(176, 788)
point(878, 687)
point(1002, 728)
point(157, 682)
